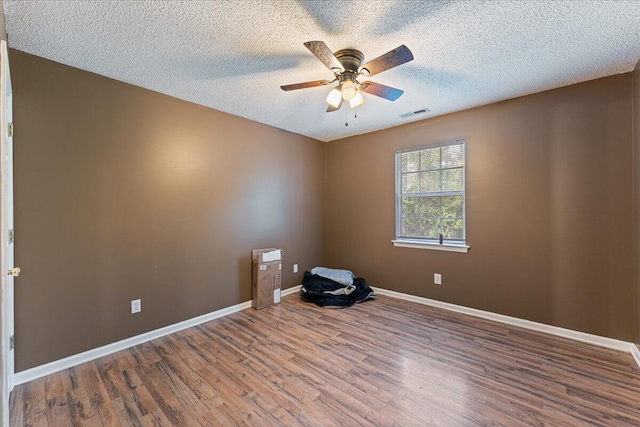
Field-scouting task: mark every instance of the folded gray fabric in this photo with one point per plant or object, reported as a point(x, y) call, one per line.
point(344, 277)
point(347, 290)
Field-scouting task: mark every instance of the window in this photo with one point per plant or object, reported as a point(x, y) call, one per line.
point(430, 194)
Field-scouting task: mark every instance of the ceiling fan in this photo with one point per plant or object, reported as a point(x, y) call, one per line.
point(346, 65)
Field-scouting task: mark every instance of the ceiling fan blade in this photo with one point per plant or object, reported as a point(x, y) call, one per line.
point(305, 85)
point(331, 108)
point(324, 54)
point(386, 92)
point(391, 59)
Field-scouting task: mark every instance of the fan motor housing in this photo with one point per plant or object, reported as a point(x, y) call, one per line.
point(351, 59)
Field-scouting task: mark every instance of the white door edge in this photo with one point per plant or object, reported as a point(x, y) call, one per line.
point(6, 221)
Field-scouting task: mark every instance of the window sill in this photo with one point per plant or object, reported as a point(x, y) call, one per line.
point(417, 244)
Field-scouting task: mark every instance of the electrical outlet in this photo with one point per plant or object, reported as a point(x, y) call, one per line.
point(295, 268)
point(136, 306)
point(437, 278)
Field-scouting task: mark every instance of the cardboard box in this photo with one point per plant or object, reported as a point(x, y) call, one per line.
point(267, 277)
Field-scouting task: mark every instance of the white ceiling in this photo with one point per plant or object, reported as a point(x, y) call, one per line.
point(234, 55)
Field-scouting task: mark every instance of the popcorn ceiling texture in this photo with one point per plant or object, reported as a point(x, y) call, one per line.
point(234, 55)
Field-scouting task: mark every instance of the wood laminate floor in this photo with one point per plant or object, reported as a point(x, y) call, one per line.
point(386, 362)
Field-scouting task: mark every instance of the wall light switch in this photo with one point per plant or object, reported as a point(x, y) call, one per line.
point(437, 278)
point(295, 268)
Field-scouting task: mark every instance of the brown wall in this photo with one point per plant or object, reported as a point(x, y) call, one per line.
point(123, 193)
point(636, 145)
point(549, 209)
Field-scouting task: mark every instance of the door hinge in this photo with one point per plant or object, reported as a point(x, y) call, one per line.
point(12, 342)
point(11, 130)
point(12, 235)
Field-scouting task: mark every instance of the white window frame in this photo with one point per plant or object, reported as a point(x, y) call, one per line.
point(429, 243)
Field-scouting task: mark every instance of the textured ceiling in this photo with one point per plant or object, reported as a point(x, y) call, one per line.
point(234, 55)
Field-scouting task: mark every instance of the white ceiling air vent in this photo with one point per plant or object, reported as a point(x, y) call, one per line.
point(415, 113)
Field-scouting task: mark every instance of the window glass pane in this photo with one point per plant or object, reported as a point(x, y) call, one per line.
point(411, 206)
point(452, 180)
point(430, 159)
point(452, 207)
point(430, 228)
point(430, 207)
point(452, 228)
point(410, 161)
point(432, 172)
point(452, 155)
point(410, 183)
point(410, 227)
point(430, 181)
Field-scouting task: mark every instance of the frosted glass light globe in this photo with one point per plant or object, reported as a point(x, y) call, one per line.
point(349, 90)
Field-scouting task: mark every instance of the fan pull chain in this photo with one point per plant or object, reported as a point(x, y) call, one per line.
point(346, 117)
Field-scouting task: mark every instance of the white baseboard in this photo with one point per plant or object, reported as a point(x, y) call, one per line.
point(611, 343)
point(635, 352)
point(87, 356)
point(291, 290)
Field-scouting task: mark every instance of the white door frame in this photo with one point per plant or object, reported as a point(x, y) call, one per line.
point(6, 221)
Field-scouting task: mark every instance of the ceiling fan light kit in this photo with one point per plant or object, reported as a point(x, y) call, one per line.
point(346, 65)
point(356, 100)
point(334, 98)
point(349, 90)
